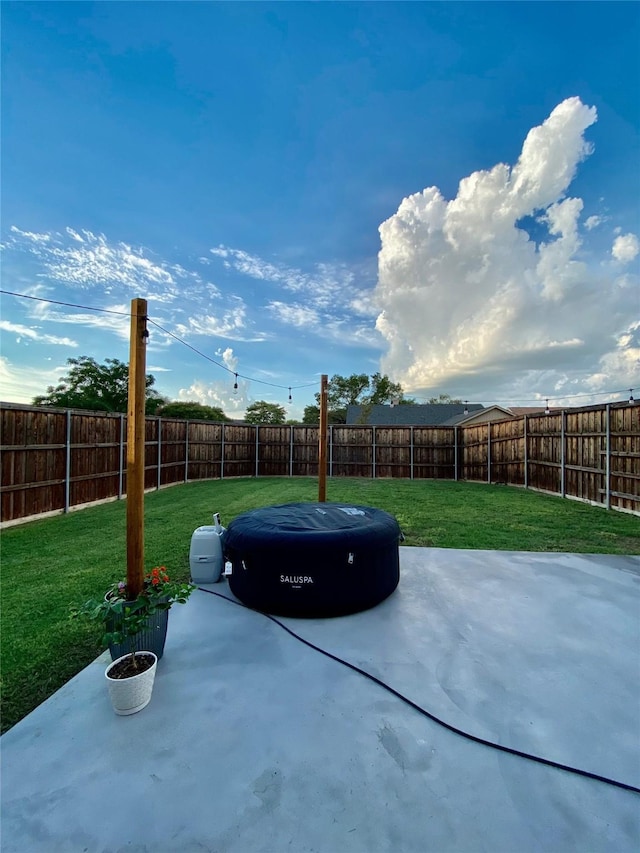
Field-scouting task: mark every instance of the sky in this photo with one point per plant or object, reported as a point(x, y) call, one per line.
point(448, 193)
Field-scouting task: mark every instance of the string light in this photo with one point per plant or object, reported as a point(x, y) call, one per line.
point(547, 410)
point(466, 407)
point(162, 329)
point(235, 385)
point(274, 384)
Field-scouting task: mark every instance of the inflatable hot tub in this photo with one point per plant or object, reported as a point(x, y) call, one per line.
point(313, 559)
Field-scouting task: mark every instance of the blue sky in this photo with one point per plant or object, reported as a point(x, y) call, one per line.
point(445, 192)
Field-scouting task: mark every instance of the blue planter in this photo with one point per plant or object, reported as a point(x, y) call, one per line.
point(150, 639)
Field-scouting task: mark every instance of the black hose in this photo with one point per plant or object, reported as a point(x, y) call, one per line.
point(547, 761)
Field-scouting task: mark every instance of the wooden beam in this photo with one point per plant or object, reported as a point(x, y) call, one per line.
point(322, 440)
point(135, 447)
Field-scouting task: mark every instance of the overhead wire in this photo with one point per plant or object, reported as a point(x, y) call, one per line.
point(66, 304)
point(224, 366)
point(166, 332)
point(541, 400)
point(287, 387)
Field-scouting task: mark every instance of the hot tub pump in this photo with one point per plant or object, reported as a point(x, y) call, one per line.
point(205, 555)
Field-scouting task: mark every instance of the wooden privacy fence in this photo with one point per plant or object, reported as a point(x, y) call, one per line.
point(54, 459)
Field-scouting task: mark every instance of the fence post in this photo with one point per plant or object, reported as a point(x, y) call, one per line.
point(373, 451)
point(608, 459)
point(222, 453)
point(411, 453)
point(526, 453)
point(563, 417)
point(67, 476)
point(291, 450)
point(159, 424)
point(455, 453)
point(323, 438)
point(186, 451)
point(330, 450)
point(121, 467)
point(489, 452)
point(257, 451)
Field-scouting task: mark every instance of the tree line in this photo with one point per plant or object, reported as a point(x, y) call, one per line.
point(105, 388)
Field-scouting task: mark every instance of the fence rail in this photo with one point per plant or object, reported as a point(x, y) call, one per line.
point(56, 459)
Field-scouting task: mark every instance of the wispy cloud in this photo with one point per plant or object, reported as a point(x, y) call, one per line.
point(86, 261)
point(34, 334)
point(30, 235)
point(21, 384)
point(117, 322)
point(231, 324)
point(328, 301)
point(323, 286)
point(343, 330)
point(297, 315)
point(592, 222)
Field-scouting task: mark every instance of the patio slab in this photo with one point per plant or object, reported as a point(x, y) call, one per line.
point(255, 742)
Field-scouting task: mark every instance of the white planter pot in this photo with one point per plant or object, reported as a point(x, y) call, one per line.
point(129, 695)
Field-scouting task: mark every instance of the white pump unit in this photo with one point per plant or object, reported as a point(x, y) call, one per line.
point(205, 554)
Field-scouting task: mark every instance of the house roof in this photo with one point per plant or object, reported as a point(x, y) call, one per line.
point(414, 414)
point(470, 415)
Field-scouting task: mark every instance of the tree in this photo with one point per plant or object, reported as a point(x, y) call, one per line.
point(192, 411)
point(311, 416)
point(443, 398)
point(357, 389)
point(262, 412)
point(100, 387)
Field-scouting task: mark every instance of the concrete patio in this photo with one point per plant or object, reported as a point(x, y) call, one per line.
point(255, 742)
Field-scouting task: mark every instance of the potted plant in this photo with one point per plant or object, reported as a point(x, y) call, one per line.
point(135, 630)
point(152, 605)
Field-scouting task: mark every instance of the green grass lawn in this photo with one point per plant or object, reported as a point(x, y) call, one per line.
point(52, 565)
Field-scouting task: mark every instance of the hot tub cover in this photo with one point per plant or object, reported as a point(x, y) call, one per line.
point(313, 559)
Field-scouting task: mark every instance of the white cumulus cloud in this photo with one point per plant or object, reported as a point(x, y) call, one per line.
point(625, 248)
point(467, 299)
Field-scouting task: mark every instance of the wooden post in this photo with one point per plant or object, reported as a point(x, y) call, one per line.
point(322, 441)
point(67, 474)
point(526, 453)
point(159, 473)
point(135, 448)
point(330, 451)
point(291, 451)
point(222, 451)
point(607, 460)
point(563, 453)
point(373, 453)
point(411, 451)
point(186, 451)
point(121, 458)
point(257, 452)
point(455, 453)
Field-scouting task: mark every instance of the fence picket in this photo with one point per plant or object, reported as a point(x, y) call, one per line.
point(53, 460)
